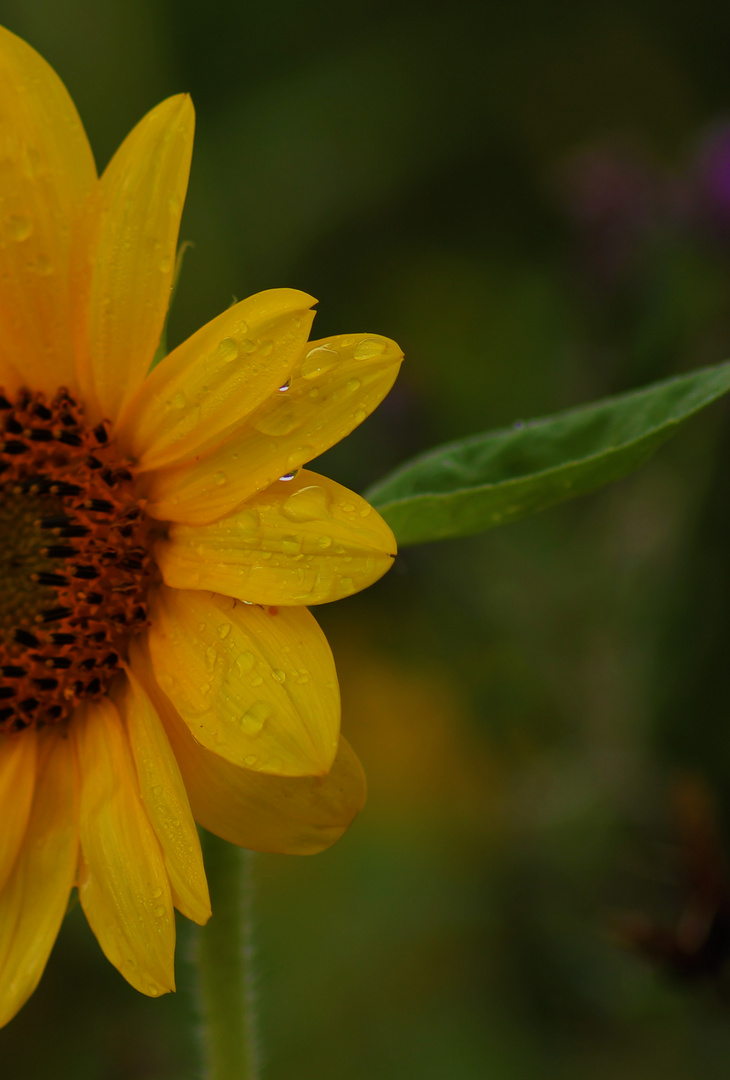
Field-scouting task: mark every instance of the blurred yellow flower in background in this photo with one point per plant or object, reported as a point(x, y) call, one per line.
point(159, 544)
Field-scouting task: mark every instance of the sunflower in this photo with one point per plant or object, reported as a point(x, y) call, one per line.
point(160, 542)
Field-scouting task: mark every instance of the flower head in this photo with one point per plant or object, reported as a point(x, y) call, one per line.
point(160, 542)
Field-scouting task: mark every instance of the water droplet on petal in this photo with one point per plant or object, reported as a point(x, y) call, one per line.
point(291, 545)
point(220, 478)
point(19, 227)
point(159, 911)
point(224, 630)
point(165, 265)
point(308, 504)
point(227, 350)
point(289, 475)
point(254, 718)
point(157, 893)
point(245, 661)
point(266, 348)
point(278, 421)
point(285, 386)
point(324, 541)
point(317, 361)
point(353, 385)
point(250, 760)
point(248, 346)
point(368, 348)
point(279, 675)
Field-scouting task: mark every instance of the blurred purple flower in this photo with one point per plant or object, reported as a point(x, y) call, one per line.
point(612, 195)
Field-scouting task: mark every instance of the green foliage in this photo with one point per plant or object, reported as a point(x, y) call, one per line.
point(489, 479)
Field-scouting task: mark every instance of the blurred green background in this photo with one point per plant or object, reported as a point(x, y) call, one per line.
point(534, 200)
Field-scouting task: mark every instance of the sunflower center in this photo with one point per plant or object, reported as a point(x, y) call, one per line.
point(74, 559)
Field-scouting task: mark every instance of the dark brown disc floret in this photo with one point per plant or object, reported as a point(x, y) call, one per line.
point(75, 565)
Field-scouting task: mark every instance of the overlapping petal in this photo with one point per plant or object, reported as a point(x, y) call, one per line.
point(166, 802)
point(256, 686)
point(216, 378)
point(34, 900)
point(17, 783)
point(304, 541)
point(123, 883)
point(46, 174)
point(124, 275)
point(289, 815)
point(333, 388)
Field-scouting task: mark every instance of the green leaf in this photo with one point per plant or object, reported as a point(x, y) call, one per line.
point(490, 479)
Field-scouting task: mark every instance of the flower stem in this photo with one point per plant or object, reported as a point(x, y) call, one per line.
point(226, 990)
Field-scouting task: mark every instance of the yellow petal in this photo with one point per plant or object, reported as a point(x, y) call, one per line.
point(216, 378)
point(166, 803)
point(333, 388)
point(290, 815)
point(124, 280)
point(254, 685)
point(123, 883)
point(17, 782)
point(34, 900)
point(46, 174)
point(303, 541)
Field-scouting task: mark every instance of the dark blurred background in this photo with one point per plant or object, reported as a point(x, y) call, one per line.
point(534, 200)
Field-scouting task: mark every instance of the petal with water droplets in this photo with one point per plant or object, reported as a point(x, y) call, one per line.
point(257, 686)
point(35, 897)
point(303, 541)
point(334, 387)
point(123, 884)
point(216, 378)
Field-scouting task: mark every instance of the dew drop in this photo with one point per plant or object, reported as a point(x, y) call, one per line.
point(324, 541)
point(359, 416)
point(291, 545)
point(224, 630)
point(211, 655)
point(245, 661)
point(157, 893)
point(248, 346)
point(285, 386)
point(220, 478)
point(19, 227)
point(308, 504)
point(368, 348)
point(165, 265)
point(266, 348)
point(278, 422)
point(227, 350)
point(317, 361)
point(254, 718)
point(159, 911)
point(250, 760)
point(353, 385)
point(303, 679)
point(279, 675)
point(289, 475)
point(257, 681)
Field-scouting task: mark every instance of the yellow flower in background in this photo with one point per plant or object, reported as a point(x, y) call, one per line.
point(159, 540)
